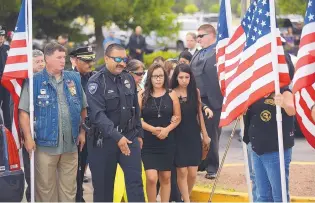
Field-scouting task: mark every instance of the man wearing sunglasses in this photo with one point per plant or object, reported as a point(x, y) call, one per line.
point(83, 58)
point(115, 118)
point(203, 65)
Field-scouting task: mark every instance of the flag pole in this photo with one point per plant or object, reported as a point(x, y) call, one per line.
point(229, 26)
point(275, 66)
point(29, 15)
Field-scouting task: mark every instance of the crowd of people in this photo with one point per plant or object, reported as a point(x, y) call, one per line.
point(165, 118)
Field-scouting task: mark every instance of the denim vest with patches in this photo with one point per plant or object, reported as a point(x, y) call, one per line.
point(46, 107)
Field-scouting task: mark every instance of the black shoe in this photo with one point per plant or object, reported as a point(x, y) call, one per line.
point(211, 176)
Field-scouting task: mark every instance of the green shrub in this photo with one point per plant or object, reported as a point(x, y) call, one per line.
point(148, 58)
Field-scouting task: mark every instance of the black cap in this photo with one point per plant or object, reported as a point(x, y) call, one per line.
point(2, 30)
point(83, 53)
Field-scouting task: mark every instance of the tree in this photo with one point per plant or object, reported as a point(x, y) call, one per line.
point(214, 8)
point(191, 9)
point(292, 6)
point(53, 17)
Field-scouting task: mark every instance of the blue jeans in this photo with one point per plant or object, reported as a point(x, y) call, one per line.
point(251, 171)
point(267, 175)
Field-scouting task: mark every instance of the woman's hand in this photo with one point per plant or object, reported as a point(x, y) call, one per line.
point(206, 140)
point(163, 134)
point(156, 131)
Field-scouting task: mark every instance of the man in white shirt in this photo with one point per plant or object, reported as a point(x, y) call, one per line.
point(191, 42)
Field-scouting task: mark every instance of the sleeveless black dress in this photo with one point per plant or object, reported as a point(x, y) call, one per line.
point(188, 137)
point(158, 154)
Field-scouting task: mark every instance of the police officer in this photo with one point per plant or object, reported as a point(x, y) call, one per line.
point(83, 58)
point(115, 118)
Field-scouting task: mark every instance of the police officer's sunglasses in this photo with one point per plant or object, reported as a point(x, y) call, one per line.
point(119, 59)
point(137, 73)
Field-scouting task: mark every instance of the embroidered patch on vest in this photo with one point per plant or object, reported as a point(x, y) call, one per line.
point(71, 87)
point(265, 115)
point(92, 87)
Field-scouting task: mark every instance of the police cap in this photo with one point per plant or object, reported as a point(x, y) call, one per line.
point(83, 53)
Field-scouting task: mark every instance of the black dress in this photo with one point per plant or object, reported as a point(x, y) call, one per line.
point(158, 154)
point(187, 136)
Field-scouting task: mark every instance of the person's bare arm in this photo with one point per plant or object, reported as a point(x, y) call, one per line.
point(176, 113)
point(204, 132)
point(24, 119)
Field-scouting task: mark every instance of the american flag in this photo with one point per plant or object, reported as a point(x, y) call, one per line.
point(304, 78)
point(223, 38)
point(248, 72)
point(16, 68)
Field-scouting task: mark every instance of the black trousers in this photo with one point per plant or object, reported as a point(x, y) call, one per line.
point(211, 163)
point(82, 159)
point(5, 106)
point(27, 173)
point(103, 164)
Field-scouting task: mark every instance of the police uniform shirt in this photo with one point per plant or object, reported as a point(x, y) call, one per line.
point(65, 141)
point(104, 102)
point(261, 126)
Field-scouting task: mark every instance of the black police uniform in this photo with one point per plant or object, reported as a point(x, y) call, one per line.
point(84, 54)
point(4, 93)
point(114, 113)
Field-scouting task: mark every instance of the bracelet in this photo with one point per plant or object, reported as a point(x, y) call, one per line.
point(205, 107)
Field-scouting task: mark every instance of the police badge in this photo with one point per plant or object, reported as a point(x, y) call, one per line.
point(127, 84)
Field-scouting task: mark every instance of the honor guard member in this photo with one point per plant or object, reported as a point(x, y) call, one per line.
point(115, 118)
point(83, 59)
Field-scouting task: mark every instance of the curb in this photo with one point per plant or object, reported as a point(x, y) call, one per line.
point(200, 194)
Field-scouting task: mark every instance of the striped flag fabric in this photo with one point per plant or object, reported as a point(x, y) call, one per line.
point(248, 71)
point(304, 77)
point(16, 68)
point(223, 39)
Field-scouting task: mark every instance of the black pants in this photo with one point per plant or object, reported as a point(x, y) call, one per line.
point(5, 106)
point(175, 193)
point(80, 174)
point(211, 163)
point(27, 173)
point(103, 165)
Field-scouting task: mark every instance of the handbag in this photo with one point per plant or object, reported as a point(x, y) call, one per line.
point(11, 174)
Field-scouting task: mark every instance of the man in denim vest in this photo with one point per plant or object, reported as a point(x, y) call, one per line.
point(59, 107)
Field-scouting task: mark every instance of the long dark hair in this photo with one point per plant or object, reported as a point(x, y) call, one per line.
point(192, 94)
point(148, 87)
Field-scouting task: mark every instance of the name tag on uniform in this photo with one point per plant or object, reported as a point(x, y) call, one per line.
point(42, 91)
point(43, 96)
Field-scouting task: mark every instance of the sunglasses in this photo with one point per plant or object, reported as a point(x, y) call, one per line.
point(137, 73)
point(119, 59)
point(201, 36)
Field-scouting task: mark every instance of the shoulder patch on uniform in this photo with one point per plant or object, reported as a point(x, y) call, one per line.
point(92, 87)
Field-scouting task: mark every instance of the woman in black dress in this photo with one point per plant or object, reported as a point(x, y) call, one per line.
point(158, 106)
point(187, 134)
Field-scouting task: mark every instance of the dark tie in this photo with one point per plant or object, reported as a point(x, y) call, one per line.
point(202, 53)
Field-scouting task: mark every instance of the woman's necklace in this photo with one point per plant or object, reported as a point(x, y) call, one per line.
point(158, 108)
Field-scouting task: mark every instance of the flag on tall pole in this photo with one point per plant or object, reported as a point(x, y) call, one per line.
point(16, 68)
point(304, 78)
point(223, 38)
point(225, 32)
point(248, 63)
